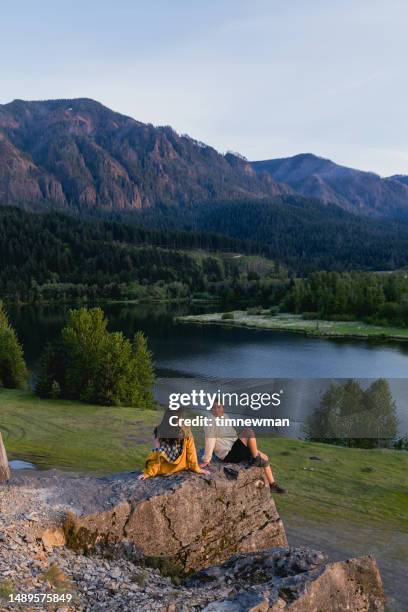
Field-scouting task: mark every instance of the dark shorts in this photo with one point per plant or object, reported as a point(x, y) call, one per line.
point(239, 452)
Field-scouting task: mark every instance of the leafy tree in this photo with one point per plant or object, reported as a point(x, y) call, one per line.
point(381, 408)
point(351, 295)
point(13, 370)
point(51, 371)
point(93, 365)
point(118, 379)
point(144, 367)
point(85, 340)
point(351, 416)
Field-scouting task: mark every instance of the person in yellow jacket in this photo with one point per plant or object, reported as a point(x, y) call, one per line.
point(174, 449)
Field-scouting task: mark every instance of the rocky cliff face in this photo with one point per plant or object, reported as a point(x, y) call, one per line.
point(81, 155)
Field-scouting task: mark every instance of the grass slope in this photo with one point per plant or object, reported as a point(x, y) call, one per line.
point(295, 323)
point(74, 436)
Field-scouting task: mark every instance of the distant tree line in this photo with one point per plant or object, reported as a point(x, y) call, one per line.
point(376, 298)
point(56, 257)
point(300, 232)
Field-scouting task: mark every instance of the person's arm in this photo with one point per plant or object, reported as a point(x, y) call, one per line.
point(191, 455)
point(152, 466)
point(208, 450)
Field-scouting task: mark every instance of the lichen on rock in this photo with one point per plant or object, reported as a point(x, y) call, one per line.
point(190, 520)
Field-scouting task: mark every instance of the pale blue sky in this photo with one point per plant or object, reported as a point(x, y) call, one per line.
point(265, 78)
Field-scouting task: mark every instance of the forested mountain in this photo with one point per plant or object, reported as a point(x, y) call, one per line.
point(359, 192)
point(80, 155)
point(57, 257)
point(301, 232)
point(401, 178)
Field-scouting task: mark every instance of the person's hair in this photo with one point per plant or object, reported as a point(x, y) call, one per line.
point(165, 431)
point(216, 404)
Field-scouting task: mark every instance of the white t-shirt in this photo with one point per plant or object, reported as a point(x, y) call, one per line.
point(218, 439)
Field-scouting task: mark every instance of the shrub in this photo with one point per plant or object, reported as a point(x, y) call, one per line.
point(352, 416)
point(144, 367)
point(90, 364)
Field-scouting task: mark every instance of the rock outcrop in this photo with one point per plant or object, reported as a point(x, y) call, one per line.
point(299, 580)
point(184, 523)
point(226, 524)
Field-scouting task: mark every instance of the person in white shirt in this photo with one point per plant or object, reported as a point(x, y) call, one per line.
point(224, 442)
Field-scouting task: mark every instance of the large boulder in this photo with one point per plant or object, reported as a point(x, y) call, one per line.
point(183, 523)
point(299, 580)
point(225, 526)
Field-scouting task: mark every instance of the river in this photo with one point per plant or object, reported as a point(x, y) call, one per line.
point(206, 353)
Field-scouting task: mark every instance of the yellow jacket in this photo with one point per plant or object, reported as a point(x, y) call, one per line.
point(157, 463)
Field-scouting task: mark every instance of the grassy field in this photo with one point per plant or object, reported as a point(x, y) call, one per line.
point(347, 484)
point(295, 323)
point(74, 436)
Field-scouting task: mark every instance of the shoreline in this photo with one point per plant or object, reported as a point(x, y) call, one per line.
point(353, 330)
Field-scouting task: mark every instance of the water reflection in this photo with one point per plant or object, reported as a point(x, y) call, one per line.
point(210, 353)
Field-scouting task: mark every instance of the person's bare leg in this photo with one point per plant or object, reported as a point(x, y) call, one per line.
point(248, 438)
point(269, 475)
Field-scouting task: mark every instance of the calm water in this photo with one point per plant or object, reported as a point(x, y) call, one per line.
point(207, 353)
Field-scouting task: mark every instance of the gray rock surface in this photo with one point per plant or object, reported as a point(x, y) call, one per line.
point(185, 522)
point(33, 559)
point(299, 580)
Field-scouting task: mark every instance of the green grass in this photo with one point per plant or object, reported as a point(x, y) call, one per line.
point(245, 263)
point(74, 436)
point(79, 437)
point(295, 323)
point(339, 487)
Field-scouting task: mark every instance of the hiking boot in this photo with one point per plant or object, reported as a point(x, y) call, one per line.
point(275, 488)
point(258, 462)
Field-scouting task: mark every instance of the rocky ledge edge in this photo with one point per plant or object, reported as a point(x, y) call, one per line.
point(185, 543)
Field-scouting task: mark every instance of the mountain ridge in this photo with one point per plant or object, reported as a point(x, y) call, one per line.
point(356, 191)
point(79, 156)
point(78, 153)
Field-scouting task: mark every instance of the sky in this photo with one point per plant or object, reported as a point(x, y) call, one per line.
point(264, 78)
